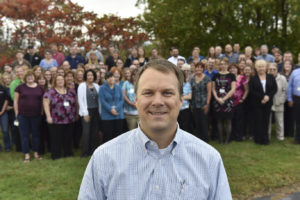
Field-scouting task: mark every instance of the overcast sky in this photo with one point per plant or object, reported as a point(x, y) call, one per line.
point(122, 8)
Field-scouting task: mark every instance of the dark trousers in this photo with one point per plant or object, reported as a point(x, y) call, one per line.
point(261, 121)
point(90, 136)
point(29, 125)
point(248, 118)
point(296, 101)
point(184, 120)
point(77, 133)
point(44, 136)
point(213, 123)
point(238, 122)
point(112, 129)
point(15, 135)
point(200, 120)
point(61, 139)
point(289, 120)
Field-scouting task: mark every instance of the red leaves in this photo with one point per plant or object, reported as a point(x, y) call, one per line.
point(63, 21)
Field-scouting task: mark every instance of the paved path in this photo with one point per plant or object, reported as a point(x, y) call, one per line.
point(293, 196)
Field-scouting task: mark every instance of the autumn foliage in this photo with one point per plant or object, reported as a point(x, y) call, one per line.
point(62, 21)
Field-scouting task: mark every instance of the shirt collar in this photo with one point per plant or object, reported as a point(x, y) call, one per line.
point(144, 140)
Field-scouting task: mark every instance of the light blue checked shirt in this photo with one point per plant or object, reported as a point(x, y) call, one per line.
point(132, 167)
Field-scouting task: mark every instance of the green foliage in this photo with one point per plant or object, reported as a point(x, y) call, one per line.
point(188, 23)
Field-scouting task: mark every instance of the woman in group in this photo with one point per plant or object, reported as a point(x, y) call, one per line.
point(211, 53)
point(28, 109)
point(288, 111)
point(185, 115)
point(120, 64)
point(262, 88)
point(239, 96)
point(102, 75)
point(4, 97)
point(7, 79)
point(60, 109)
point(117, 76)
point(201, 95)
point(48, 77)
point(78, 78)
point(44, 136)
point(241, 66)
point(93, 59)
point(278, 102)
point(112, 115)
point(60, 71)
point(223, 87)
point(89, 107)
point(48, 61)
point(127, 74)
point(130, 111)
point(248, 120)
point(37, 70)
point(141, 57)
point(69, 76)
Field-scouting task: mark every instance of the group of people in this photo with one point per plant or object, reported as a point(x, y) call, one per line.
point(74, 101)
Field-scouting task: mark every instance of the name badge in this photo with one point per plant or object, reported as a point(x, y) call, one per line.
point(131, 91)
point(222, 90)
point(66, 104)
point(298, 89)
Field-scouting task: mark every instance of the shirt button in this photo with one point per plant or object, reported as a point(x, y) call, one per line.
point(159, 161)
point(157, 187)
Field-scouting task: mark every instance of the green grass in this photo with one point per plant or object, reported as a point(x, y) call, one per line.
point(250, 168)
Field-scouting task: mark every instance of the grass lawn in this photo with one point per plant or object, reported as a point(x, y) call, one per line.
point(251, 169)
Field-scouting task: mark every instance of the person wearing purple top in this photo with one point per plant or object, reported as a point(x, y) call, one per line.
point(28, 110)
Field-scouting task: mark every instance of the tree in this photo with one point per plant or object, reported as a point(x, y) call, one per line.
point(62, 21)
point(210, 22)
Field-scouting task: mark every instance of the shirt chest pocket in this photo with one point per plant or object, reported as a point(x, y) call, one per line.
point(188, 192)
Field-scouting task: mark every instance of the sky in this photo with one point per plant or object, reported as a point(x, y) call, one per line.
point(122, 8)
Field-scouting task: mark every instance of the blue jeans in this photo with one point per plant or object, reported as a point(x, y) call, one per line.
point(29, 125)
point(4, 128)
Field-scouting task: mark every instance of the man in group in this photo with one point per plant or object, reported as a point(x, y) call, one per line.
point(32, 57)
point(20, 61)
point(58, 56)
point(211, 71)
point(236, 48)
point(157, 160)
point(133, 55)
point(195, 57)
point(74, 59)
point(287, 56)
point(218, 51)
point(293, 94)
point(175, 56)
point(232, 57)
point(265, 55)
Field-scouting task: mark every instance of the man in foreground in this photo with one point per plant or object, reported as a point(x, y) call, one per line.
point(157, 160)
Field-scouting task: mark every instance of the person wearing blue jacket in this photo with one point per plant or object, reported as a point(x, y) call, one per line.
point(112, 115)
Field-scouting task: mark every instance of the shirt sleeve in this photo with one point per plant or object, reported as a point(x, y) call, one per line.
point(290, 88)
point(220, 187)
point(92, 187)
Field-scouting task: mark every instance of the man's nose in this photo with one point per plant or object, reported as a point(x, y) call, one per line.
point(157, 99)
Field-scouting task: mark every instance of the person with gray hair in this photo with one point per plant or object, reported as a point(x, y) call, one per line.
point(265, 55)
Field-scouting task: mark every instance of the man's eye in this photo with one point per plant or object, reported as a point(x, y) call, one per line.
point(147, 93)
point(168, 93)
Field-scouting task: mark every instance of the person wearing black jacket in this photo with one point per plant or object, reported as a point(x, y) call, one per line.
point(262, 88)
point(32, 57)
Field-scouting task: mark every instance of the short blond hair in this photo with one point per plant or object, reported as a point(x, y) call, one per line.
point(260, 62)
